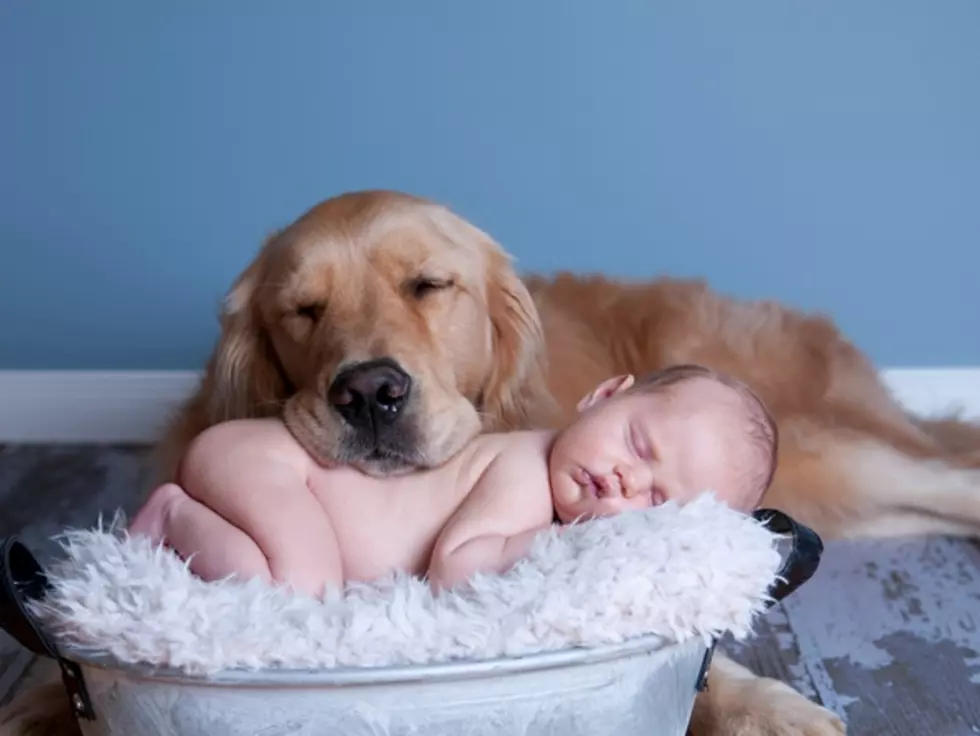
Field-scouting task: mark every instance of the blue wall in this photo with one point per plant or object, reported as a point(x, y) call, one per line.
point(826, 154)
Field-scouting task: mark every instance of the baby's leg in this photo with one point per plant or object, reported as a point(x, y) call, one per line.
point(215, 548)
point(150, 520)
point(254, 475)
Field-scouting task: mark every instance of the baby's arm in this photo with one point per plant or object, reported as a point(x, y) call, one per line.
point(254, 474)
point(496, 524)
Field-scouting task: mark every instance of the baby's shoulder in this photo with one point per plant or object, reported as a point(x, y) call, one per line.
point(266, 427)
point(243, 438)
point(498, 447)
point(519, 455)
point(527, 446)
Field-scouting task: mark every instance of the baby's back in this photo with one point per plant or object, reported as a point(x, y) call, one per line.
point(393, 523)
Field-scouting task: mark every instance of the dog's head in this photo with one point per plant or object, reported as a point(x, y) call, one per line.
point(387, 331)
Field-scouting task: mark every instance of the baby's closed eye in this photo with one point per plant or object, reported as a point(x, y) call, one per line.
point(640, 443)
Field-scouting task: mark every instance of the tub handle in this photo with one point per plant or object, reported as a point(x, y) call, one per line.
point(798, 567)
point(22, 579)
point(803, 558)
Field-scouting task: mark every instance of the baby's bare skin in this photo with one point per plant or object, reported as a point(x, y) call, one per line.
point(253, 503)
point(318, 526)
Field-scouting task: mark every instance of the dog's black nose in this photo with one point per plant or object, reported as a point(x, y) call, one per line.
point(370, 393)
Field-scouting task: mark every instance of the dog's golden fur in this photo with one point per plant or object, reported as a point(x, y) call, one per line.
point(373, 275)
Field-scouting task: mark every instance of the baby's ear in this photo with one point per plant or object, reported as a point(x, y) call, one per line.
point(608, 388)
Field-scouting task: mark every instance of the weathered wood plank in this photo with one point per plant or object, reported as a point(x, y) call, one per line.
point(14, 661)
point(772, 651)
point(45, 489)
point(889, 633)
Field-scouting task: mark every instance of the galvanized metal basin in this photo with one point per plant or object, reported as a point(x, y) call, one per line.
point(631, 689)
point(636, 688)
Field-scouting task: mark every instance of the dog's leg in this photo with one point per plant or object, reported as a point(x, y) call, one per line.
point(909, 524)
point(739, 703)
point(848, 484)
point(918, 496)
point(959, 438)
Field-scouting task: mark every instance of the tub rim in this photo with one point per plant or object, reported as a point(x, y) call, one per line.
point(350, 676)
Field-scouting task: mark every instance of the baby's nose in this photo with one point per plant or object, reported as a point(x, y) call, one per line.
point(631, 482)
point(635, 481)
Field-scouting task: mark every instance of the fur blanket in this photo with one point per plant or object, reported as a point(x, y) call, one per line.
point(672, 572)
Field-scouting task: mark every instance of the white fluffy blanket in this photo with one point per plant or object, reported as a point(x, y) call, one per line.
point(674, 572)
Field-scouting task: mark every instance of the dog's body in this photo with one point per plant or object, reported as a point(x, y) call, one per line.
point(852, 462)
point(388, 332)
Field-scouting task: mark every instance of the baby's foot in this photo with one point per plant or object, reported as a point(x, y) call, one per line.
point(151, 519)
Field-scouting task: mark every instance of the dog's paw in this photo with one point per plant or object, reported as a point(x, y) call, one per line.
point(781, 712)
point(738, 703)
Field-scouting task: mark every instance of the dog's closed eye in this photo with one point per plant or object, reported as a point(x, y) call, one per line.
point(423, 286)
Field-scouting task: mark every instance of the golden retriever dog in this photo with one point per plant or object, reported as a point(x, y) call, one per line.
point(387, 332)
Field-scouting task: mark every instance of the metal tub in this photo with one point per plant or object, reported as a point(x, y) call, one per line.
point(637, 687)
point(624, 690)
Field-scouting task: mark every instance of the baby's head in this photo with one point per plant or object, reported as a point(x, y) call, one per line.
point(670, 435)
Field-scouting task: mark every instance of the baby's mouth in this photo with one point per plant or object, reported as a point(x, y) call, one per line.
point(589, 483)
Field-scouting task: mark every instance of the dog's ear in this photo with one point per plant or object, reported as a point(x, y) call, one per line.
point(242, 378)
point(516, 395)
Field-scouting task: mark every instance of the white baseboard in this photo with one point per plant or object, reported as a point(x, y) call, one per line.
point(133, 406)
point(89, 406)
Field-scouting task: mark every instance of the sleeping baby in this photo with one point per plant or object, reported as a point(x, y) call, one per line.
point(253, 503)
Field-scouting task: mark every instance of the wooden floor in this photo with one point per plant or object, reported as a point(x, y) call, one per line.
point(887, 633)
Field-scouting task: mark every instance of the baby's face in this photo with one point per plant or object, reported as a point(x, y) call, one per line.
point(635, 450)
